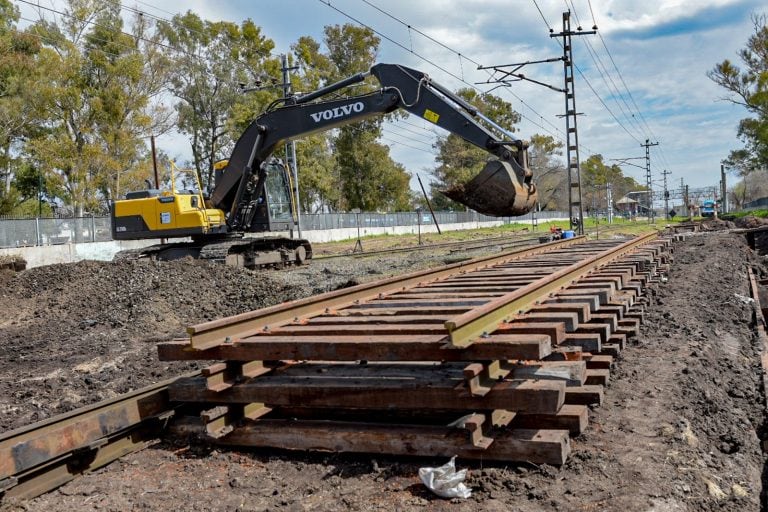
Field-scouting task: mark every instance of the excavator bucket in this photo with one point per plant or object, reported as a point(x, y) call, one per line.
point(497, 191)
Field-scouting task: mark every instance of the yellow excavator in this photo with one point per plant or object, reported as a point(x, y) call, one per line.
point(252, 195)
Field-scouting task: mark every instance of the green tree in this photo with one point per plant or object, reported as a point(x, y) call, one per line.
point(549, 173)
point(100, 103)
point(365, 174)
point(370, 180)
point(748, 87)
point(459, 161)
point(318, 175)
point(596, 175)
point(19, 105)
point(210, 60)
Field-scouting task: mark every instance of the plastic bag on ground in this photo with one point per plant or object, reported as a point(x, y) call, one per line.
point(445, 481)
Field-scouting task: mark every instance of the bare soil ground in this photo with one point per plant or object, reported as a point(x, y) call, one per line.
point(75, 334)
point(680, 428)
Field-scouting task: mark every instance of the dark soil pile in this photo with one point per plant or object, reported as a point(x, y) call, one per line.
point(750, 222)
point(78, 333)
point(716, 225)
point(679, 430)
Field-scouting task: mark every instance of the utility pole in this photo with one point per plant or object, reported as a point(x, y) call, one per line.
point(571, 134)
point(609, 200)
point(723, 190)
point(682, 192)
point(648, 182)
point(154, 161)
point(666, 173)
point(504, 76)
point(290, 147)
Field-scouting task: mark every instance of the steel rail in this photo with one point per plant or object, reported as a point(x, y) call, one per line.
point(40, 457)
point(486, 318)
point(216, 332)
point(503, 241)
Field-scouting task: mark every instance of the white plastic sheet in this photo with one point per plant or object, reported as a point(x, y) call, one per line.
point(445, 481)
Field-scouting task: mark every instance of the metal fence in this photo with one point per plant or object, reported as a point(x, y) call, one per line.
point(54, 231)
point(757, 203)
point(47, 231)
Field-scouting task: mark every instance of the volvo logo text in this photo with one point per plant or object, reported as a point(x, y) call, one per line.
point(333, 113)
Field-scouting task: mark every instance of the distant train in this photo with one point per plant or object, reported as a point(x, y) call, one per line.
point(708, 208)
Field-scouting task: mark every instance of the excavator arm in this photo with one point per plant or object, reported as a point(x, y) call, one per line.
point(502, 188)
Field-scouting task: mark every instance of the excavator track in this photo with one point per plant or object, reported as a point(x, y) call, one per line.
point(276, 252)
point(258, 252)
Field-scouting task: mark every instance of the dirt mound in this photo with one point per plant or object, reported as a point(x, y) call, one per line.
point(78, 333)
point(750, 222)
point(81, 332)
point(716, 225)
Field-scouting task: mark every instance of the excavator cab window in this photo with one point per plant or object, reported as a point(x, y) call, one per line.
point(278, 192)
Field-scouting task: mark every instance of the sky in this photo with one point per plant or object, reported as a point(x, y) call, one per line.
point(643, 77)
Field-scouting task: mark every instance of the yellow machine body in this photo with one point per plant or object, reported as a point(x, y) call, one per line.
point(179, 212)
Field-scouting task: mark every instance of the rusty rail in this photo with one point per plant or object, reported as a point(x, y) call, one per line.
point(40, 457)
point(496, 358)
point(236, 327)
point(485, 319)
point(533, 368)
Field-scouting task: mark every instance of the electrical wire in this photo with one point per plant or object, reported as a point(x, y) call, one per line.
point(414, 132)
point(88, 22)
point(437, 66)
point(424, 145)
point(406, 145)
point(644, 127)
point(542, 16)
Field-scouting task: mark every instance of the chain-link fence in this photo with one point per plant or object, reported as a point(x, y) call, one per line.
point(756, 204)
point(44, 231)
point(47, 231)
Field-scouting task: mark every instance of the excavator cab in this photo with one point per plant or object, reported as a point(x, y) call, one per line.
point(278, 189)
point(267, 203)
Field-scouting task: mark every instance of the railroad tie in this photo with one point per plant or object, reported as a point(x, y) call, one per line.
point(496, 359)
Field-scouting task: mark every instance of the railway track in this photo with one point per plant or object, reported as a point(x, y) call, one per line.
point(40, 457)
point(494, 359)
point(497, 358)
point(504, 242)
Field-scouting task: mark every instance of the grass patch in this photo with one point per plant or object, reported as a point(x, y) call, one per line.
point(751, 213)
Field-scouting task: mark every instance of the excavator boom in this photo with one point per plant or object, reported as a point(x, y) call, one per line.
point(253, 189)
point(502, 188)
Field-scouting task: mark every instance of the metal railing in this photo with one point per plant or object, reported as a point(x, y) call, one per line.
point(53, 231)
point(756, 204)
point(15, 232)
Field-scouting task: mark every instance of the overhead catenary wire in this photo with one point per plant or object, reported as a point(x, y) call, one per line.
point(419, 136)
point(165, 20)
point(644, 128)
point(437, 66)
point(460, 55)
point(98, 25)
point(384, 138)
point(402, 139)
point(572, 7)
point(586, 80)
point(118, 43)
